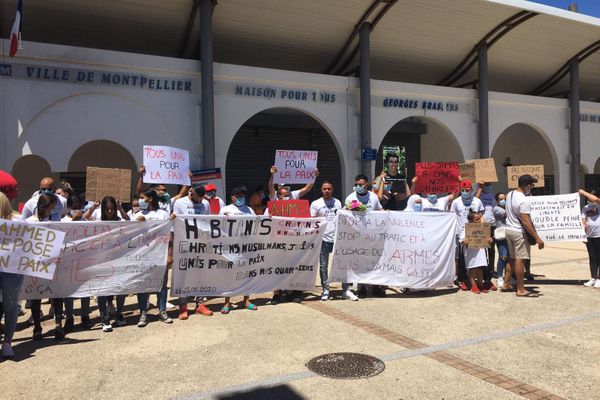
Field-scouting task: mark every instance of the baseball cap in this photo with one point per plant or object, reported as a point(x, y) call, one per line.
point(210, 187)
point(466, 184)
point(238, 190)
point(527, 179)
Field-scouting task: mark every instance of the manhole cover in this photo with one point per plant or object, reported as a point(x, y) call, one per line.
point(346, 365)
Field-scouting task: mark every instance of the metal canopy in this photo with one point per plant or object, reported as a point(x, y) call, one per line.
point(420, 41)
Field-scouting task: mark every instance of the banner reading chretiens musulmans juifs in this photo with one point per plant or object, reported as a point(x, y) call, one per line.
point(221, 255)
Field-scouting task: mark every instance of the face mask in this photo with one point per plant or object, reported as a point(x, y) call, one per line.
point(166, 197)
point(240, 201)
point(432, 198)
point(502, 203)
point(210, 195)
point(418, 207)
point(465, 195)
point(143, 204)
point(46, 191)
point(360, 189)
point(487, 188)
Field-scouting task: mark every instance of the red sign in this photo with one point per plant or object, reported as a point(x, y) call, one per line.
point(289, 208)
point(437, 177)
point(215, 207)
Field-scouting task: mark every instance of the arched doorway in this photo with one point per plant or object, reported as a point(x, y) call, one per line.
point(98, 153)
point(522, 144)
point(28, 171)
point(592, 181)
point(252, 151)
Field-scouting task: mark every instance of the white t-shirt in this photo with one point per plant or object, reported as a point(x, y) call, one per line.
point(516, 204)
point(327, 209)
point(97, 215)
point(462, 211)
point(30, 208)
point(369, 199)
point(156, 215)
point(232, 209)
point(186, 206)
point(489, 202)
point(440, 205)
point(294, 195)
point(591, 213)
point(474, 258)
point(165, 205)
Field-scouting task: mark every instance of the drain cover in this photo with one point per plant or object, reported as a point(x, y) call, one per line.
point(346, 365)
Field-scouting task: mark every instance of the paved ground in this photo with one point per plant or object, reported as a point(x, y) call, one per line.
point(436, 345)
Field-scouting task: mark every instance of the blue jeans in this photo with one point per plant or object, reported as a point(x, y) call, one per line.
point(326, 249)
point(502, 256)
point(10, 285)
point(85, 307)
point(162, 295)
point(103, 305)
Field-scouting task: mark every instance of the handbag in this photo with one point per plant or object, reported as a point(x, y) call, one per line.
point(500, 233)
point(530, 239)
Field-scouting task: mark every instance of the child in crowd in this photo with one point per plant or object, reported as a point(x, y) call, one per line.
point(475, 259)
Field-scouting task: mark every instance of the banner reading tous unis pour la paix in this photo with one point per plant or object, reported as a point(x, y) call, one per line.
point(407, 249)
point(242, 255)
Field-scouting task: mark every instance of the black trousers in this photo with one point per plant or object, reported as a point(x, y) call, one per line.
point(593, 248)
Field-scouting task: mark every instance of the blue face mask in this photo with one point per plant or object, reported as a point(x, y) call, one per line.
point(418, 206)
point(432, 198)
point(465, 195)
point(166, 197)
point(502, 203)
point(143, 204)
point(46, 191)
point(360, 189)
point(240, 201)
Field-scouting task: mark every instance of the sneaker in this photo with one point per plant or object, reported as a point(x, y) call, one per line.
point(325, 295)
point(170, 306)
point(164, 317)
point(86, 322)
point(275, 300)
point(183, 313)
point(7, 351)
point(597, 284)
point(69, 324)
point(143, 320)
point(348, 295)
point(106, 326)
point(202, 309)
point(120, 320)
point(500, 282)
point(590, 283)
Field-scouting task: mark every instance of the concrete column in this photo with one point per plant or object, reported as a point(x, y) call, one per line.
point(483, 131)
point(208, 107)
point(574, 132)
point(365, 94)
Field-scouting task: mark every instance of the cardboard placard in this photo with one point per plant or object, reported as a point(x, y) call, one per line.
point(437, 177)
point(166, 165)
point(295, 166)
point(478, 235)
point(482, 170)
point(515, 171)
point(289, 208)
point(101, 182)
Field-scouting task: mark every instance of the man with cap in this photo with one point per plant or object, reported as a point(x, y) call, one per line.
point(238, 206)
point(47, 186)
point(461, 207)
point(211, 193)
point(193, 204)
point(518, 224)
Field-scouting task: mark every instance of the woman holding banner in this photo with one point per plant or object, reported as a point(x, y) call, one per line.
point(591, 222)
point(10, 285)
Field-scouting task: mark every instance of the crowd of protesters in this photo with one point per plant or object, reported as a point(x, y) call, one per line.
point(508, 214)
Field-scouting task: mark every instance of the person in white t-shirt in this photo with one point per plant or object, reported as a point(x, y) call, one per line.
point(47, 186)
point(518, 220)
point(211, 193)
point(283, 191)
point(150, 211)
point(135, 208)
point(238, 206)
point(193, 204)
point(165, 201)
point(327, 207)
point(590, 216)
point(475, 259)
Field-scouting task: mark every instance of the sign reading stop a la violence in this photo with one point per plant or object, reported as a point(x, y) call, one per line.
point(295, 166)
point(166, 165)
point(437, 177)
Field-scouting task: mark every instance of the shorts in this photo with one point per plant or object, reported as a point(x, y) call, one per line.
point(518, 246)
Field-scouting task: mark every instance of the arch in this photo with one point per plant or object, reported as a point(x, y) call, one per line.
point(525, 144)
point(28, 170)
point(252, 150)
point(427, 138)
point(597, 167)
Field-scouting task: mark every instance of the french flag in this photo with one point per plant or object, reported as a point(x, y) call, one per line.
point(15, 34)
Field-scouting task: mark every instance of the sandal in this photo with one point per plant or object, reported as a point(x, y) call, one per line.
point(530, 294)
point(252, 307)
point(225, 310)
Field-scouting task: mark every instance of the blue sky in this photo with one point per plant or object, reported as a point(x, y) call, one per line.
point(589, 7)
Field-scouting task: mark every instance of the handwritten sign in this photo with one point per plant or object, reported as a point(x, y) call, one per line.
point(295, 166)
point(412, 250)
point(227, 256)
point(166, 165)
point(482, 170)
point(437, 177)
point(514, 172)
point(101, 182)
point(557, 218)
point(29, 249)
point(103, 258)
point(289, 208)
point(478, 235)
